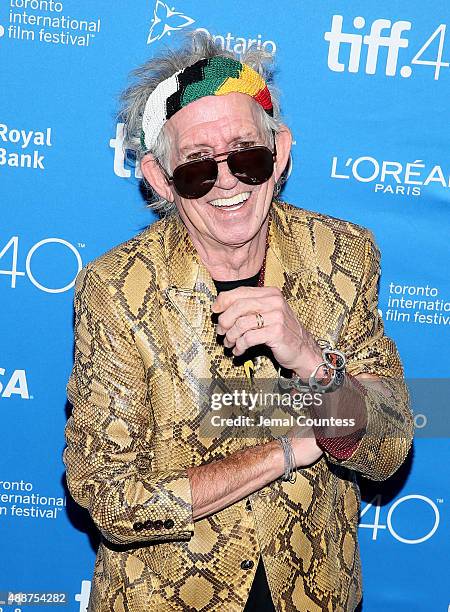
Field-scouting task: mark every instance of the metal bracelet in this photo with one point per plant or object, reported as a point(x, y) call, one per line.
point(333, 361)
point(337, 378)
point(290, 468)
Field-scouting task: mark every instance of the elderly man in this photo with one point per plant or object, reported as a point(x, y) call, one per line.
point(230, 283)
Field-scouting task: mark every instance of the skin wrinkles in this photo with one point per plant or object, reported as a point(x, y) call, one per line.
point(230, 243)
point(199, 149)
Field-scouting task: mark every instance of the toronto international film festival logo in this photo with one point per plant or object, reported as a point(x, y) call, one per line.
point(45, 22)
point(383, 34)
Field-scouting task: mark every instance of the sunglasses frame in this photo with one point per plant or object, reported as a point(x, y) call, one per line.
point(225, 156)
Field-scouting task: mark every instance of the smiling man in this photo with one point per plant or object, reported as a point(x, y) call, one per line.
point(230, 284)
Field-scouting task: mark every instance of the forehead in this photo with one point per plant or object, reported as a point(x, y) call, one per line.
point(214, 120)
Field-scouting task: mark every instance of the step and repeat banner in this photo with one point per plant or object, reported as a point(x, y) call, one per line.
point(365, 89)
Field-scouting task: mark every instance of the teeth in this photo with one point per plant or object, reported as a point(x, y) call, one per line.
point(237, 199)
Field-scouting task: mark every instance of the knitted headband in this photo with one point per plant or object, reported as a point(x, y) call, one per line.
point(217, 76)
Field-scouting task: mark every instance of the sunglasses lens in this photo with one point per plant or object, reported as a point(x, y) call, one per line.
point(252, 166)
point(195, 179)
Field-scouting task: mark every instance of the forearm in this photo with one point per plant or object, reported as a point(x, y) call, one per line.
point(221, 483)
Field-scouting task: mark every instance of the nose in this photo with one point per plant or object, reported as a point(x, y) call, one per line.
point(225, 180)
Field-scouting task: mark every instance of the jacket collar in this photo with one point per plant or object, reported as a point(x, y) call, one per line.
point(288, 257)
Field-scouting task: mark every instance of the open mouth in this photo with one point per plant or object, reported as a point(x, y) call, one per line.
point(233, 203)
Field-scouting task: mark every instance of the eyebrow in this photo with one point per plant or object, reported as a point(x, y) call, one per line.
point(193, 147)
point(190, 148)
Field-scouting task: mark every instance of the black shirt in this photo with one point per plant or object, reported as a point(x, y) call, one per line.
point(259, 599)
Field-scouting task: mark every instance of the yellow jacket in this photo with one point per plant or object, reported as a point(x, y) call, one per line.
point(144, 343)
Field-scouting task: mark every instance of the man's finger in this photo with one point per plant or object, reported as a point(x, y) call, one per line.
point(253, 337)
point(250, 306)
point(226, 298)
point(248, 322)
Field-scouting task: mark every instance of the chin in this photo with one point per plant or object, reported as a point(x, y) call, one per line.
point(236, 235)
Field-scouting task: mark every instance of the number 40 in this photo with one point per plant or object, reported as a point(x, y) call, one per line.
point(13, 272)
point(376, 505)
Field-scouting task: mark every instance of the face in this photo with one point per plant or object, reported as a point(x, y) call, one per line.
point(232, 213)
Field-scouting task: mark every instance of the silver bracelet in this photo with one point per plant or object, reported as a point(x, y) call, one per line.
point(290, 468)
point(333, 362)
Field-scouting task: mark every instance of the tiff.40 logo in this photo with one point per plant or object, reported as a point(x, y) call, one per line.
point(383, 34)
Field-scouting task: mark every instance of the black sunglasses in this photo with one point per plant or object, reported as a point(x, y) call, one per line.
point(252, 166)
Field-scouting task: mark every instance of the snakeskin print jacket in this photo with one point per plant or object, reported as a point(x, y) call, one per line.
point(144, 340)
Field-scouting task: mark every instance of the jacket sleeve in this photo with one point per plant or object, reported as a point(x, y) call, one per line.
point(389, 429)
point(108, 453)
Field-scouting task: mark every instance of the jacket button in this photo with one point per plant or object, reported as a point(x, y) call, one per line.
point(138, 526)
point(168, 524)
point(148, 524)
point(158, 524)
point(247, 564)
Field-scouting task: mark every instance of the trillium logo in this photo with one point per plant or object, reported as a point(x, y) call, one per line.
point(166, 20)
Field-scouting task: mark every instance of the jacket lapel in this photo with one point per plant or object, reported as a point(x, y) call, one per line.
point(188, 297)
point(290, 263)
point(189, 292)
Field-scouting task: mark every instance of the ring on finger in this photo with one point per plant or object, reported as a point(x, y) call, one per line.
point(259, 320)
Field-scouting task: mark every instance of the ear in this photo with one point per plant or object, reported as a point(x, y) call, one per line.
point(284, 144)
point(155, 176)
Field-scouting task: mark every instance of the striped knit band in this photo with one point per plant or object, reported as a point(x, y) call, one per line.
point(217, 76)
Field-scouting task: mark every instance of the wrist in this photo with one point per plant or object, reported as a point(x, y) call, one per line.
point(290, 465)
point(275, 459)
point(307, 363)
point(327, 375)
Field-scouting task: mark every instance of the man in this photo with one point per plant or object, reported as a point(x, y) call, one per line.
point(228, 284)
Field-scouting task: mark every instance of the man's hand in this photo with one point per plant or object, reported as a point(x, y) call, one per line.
point(292, 345)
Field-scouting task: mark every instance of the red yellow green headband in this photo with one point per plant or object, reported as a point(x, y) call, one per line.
point(217, 76)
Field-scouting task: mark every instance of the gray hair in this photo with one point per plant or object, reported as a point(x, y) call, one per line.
point(147, 77)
